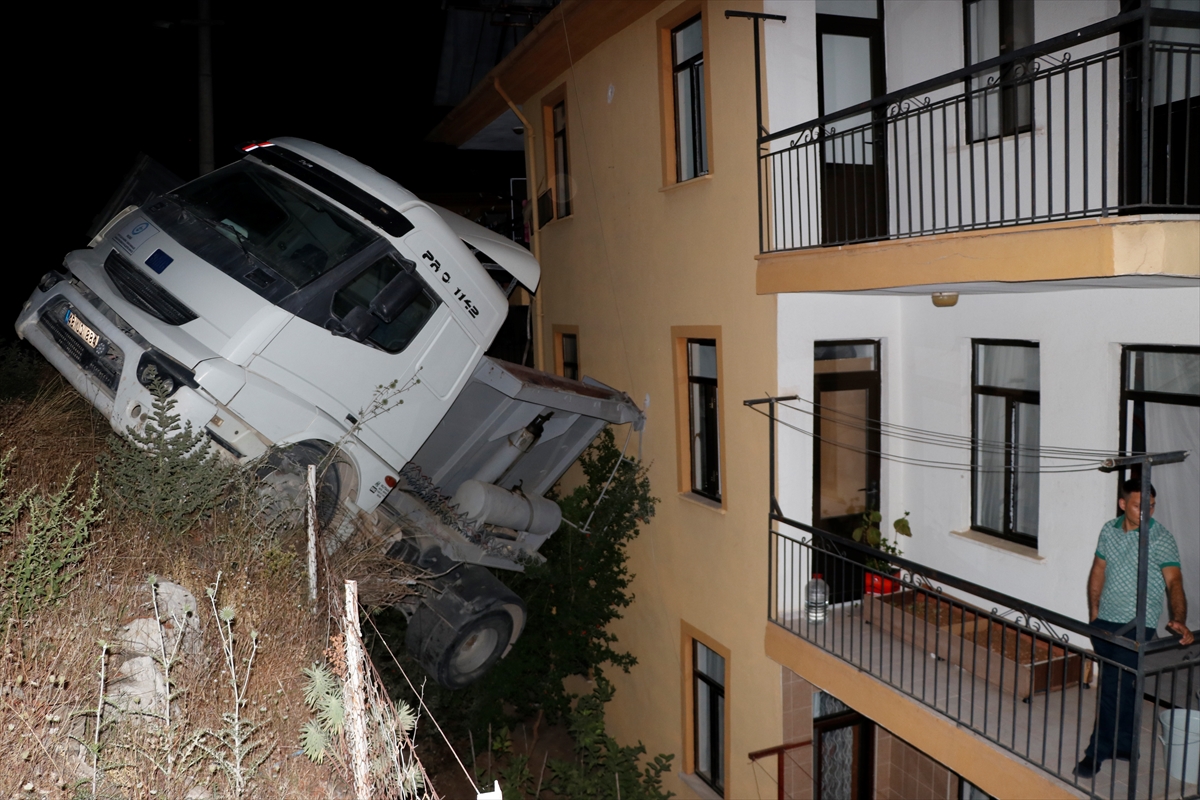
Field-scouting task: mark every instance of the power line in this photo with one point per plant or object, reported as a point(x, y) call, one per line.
point(1088, 466)
point(949, 440)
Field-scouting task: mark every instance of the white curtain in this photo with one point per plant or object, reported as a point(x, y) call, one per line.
point(1175, 427)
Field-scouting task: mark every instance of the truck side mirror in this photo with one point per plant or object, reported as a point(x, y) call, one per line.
point(395, 297)
point(358, 324)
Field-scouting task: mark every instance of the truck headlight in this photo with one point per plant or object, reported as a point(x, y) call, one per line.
point(157, 365)
point(50, 279)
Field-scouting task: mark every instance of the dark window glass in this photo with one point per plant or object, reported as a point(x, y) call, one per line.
point(708, 669)
point(279, 222)
point(1005, 432)
point(704, 419)
point(1001, 100)
point(570, 356)
point(392, 336)
point(562, 171)
point(691, 139)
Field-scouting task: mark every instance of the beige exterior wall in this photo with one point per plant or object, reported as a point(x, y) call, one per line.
point(633, 261)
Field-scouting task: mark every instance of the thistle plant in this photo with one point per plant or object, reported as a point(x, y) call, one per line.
point(236, 750)
point(395, 770)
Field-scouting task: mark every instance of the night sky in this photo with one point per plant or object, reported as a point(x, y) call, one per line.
point(92, 85)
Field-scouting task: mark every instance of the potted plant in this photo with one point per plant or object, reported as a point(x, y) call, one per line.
point(869, 534)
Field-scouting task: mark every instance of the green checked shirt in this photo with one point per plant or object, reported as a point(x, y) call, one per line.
point(1119, 549)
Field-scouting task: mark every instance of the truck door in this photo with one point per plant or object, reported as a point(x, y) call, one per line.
point(348, 349)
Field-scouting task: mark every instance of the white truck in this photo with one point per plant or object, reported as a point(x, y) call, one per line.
point(273, 298)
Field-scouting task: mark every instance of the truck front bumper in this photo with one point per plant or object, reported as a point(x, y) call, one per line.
point(104, 372)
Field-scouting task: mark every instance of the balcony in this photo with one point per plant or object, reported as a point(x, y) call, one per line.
point(1007, 674)
point(1072, 128)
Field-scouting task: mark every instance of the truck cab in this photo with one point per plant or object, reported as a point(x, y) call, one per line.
point(279, 297)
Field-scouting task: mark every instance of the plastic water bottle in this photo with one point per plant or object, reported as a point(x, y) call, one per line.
point(816, 596)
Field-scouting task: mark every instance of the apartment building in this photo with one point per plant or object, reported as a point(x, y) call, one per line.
point(950, 252)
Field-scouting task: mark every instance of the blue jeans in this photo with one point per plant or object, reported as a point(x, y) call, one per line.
point(1113, 732)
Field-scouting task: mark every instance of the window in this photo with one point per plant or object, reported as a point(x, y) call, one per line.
point(1005, 425)
point(843, 751)
point(708, 686)
point(703, 418)
point(295, 233)
point(691, 139)
point(391, 323)
point(562, 170)
point(566, 351)
point(1002, 102)
point(1160, 411)
point(969, 791)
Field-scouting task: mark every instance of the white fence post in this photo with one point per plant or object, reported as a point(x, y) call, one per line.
point(355, 697)
point(312, 533)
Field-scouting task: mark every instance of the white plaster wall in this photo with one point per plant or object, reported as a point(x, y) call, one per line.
point(943, 181)
point(927, 384)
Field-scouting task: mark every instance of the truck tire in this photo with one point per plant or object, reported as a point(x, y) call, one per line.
point(285, 475)
point(458, 655)
point(465, 621)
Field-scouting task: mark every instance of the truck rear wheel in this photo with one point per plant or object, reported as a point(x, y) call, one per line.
point(465, 620)
point(458, 656)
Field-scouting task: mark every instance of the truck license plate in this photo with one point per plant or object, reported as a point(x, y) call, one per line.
point(87, 334)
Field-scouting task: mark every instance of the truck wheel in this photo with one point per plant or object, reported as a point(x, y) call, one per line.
point(460, 655)
point(285, 476)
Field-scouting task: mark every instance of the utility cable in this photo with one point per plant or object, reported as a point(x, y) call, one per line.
point(420, 699)
point(946, 440)
point(933, 463)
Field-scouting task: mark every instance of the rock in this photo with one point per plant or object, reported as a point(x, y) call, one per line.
point(178, 618)
point(139, 687)
point(198, 793)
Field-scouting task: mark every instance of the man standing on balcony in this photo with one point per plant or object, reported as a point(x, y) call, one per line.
point(1112, 606)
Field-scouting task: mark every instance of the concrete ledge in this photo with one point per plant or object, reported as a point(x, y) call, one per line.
point(972, 757)
point(1087, 248)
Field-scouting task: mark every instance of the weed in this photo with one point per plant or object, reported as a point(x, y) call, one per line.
point(237, 750)
point(167, 472)
point(45, 567)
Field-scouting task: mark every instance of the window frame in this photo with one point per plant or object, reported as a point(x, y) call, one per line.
point(1010, 96)
point(1011, 397)
point(667, 24)
point(699, 130)
point(700, 380)
point(714, 782)
point(560, 362)
point(1129, 439)
point(555, 202)
point(683, 423)
point(689, 637)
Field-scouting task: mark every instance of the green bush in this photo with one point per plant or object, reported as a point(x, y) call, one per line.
point(602, 768)
point(580, 589)
point(48, 559)
point(167, 472)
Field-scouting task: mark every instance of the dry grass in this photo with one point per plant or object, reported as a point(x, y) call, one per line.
point(49, 665)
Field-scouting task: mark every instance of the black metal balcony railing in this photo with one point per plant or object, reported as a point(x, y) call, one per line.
point(1010, 676)
point(1037, 135)
point(1011, 673)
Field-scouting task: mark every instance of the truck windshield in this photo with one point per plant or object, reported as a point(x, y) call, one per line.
point(298, 234)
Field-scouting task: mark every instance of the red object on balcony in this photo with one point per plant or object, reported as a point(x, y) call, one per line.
point(878, 584)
